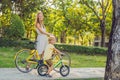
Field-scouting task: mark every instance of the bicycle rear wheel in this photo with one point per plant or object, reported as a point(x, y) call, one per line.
point(21, 62)
point(42, 69)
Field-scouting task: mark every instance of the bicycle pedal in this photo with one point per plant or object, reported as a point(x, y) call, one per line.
point(33, 60)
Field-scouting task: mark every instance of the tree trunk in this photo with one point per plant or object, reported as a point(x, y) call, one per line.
point(27, 34)
point(112, 71)
point(102, 26)
point(63, 36)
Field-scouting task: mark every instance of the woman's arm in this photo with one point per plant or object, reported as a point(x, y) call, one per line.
point(43, 32)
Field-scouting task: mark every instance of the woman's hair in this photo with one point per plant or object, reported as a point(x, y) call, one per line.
point(37, 18)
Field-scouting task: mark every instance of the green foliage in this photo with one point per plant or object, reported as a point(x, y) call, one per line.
point(5, 18)
point(71, 18)
point(62, 18)
point(16, 29)
point(23, 43)
point(81, 49)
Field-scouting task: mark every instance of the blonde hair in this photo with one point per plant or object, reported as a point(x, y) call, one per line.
point(51, 38)
point(37, 19)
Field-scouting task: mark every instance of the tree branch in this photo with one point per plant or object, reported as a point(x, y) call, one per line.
point(106, 6)
point(109, 5)
point(91, 9)
point(100, 3)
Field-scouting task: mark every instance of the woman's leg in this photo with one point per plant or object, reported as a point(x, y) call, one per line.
point(41, 55)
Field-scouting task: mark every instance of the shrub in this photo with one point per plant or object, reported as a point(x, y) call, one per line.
point(24, 43)
point(16, 29)
point(81, 49)
point(5, 42)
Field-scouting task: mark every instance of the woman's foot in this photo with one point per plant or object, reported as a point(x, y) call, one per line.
point(40, 61)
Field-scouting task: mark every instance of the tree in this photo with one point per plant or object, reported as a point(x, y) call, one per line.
point(112, 71)
point(16, 29)
point(25, 9)
point(80, 23)
point(71, 18)
point(100, 13)
point(62, 7)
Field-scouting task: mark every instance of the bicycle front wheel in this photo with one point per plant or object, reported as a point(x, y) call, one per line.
point(64, 70)
point(21, 62)
point(66, 60)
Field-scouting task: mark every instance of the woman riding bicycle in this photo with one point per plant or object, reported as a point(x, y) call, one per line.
point(41, 35)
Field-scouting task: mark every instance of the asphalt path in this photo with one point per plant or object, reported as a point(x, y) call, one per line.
point(75, 73)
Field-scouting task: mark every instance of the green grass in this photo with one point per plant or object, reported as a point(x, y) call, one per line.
point(7, 57)
point(78, 60)
point(82, 60)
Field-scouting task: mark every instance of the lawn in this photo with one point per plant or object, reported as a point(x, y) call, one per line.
point(7, 57)
point(82, 60)
point(77, 60)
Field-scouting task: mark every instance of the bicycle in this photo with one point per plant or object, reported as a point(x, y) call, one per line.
point(25, 57)
point(59, 62)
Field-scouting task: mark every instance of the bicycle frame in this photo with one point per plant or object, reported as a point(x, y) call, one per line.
point(32, 54)
point(59, 60)
point(58, 63)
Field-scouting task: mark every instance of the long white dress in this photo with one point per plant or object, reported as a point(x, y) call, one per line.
point(42, 41)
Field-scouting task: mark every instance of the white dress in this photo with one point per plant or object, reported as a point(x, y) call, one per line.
point(42, 41)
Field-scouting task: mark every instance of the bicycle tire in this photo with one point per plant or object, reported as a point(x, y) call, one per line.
point(66, 57)
point(21, 62)
point(42, 69)
point(64, 70)
point(66, 60)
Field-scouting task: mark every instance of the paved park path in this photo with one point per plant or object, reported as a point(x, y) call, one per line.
point(75, 73)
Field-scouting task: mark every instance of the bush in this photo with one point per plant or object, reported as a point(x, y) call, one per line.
point(24, 43)
point(81, 49)
point(16, 29)
point(5, 42)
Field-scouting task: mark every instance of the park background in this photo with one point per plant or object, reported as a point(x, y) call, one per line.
point(82, 28)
